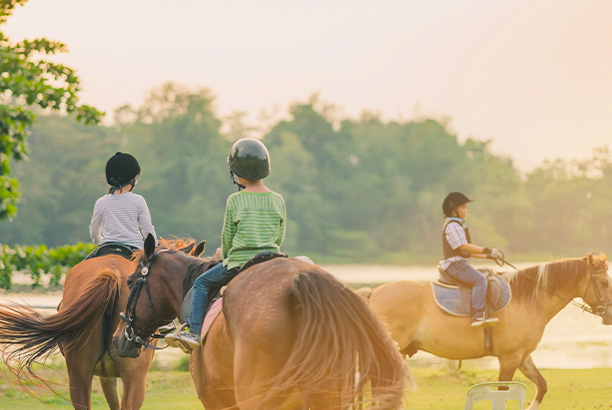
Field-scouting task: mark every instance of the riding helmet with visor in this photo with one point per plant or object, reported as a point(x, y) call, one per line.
point(452, 201)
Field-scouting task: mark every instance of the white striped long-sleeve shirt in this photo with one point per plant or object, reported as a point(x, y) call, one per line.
point(121, 218)
point(254, 222)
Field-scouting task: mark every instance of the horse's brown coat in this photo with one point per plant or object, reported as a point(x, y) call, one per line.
point(83, 332)
point(290, 337)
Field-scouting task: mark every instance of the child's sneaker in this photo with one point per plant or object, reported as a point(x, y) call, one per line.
point(190, 339)
point(183, 339)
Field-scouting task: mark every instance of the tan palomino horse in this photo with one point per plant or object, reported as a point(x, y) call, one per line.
point(290, 336)
point(95, 292)
point(538, 294)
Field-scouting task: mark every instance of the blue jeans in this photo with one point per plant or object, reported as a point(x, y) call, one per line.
point(465, 273)
point(215, 277)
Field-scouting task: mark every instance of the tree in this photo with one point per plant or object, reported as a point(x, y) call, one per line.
point(29, 83)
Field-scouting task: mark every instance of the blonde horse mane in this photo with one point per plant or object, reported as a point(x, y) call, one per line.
point(527, 284)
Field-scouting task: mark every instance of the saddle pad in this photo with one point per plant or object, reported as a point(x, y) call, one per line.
point(211, 315)
point(458, 301)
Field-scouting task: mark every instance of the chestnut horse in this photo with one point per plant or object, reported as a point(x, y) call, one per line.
point(290, 336)
point(95, 292)
point(538, 294)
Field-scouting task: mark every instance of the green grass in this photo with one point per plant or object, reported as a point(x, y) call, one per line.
point(588, 389)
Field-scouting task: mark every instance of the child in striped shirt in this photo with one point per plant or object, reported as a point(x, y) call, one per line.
point(254, 222)
point(121, 216)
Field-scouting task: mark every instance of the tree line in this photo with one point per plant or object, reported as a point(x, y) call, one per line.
point(357, 190)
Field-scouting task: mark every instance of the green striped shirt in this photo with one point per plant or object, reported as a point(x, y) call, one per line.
point(254, 222)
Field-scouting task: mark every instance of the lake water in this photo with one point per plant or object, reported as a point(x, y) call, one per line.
point(572, 340)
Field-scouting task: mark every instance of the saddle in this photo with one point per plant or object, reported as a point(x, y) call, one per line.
point(113, 248)
point(455, 298)
point(215, 305)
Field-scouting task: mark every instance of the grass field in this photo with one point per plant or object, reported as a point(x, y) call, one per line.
point(170, 386)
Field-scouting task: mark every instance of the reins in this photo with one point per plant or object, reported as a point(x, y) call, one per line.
point(132, 334)
point(601, 307)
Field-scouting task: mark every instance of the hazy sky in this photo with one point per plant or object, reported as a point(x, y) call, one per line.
point(534, 76)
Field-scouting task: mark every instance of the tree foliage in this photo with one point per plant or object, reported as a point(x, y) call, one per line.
point(30, 82)
point(356, 189)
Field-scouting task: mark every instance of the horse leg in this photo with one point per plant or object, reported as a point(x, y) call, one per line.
point(109, 387)
point(528, 368)
point(80, 375)
point(133, 375)
point(507, 368)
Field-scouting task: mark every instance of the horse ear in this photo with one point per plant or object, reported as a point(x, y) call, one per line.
point(149, 245)
point(590, 259)
point(199, 249)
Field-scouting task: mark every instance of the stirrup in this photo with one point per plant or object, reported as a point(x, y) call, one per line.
point(164, 330)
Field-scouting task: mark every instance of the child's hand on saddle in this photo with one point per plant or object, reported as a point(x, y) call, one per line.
point(218, 254)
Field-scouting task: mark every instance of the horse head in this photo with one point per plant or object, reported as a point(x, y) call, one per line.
point(598, 294)
point(155, 296)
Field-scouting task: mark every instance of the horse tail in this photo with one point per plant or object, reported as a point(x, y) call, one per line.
point(341, 351)
point(35, 336)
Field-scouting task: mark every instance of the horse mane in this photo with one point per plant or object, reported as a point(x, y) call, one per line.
point(527, 283)
point(173, 245)
point(195, 269)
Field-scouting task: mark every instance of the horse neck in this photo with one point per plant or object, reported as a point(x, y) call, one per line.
point(554, 297)
point(174, 272)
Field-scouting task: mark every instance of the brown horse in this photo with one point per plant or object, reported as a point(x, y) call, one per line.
point(538, 294)
point(290, 336)
point(95, 292)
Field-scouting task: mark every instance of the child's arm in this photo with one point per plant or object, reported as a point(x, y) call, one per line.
point(144, 220)
point(95, 227)
point(283, 226)
point(229, 230)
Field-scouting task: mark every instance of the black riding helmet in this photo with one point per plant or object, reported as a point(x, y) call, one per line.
point(249, 159)
point(453, 200)
point(121, 169)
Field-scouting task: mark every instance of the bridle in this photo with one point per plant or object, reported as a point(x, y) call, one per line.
point(601, 308)
point(131, 333)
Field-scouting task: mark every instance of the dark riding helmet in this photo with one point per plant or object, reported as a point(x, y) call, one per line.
point(121, 169)
point(249, 159)
point(453, 200)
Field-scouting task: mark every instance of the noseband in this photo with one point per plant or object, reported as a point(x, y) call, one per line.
point(132, 334)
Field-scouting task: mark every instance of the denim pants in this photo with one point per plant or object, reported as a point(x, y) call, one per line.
point(465, 273)
point(215, 277)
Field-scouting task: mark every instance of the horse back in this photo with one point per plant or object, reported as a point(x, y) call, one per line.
point(260, 297)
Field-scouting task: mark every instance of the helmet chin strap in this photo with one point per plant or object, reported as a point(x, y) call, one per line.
point(240, 186)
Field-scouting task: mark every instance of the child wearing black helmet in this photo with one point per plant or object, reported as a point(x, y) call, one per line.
point(121, 216)
point(255, 220)
point(457, 248)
